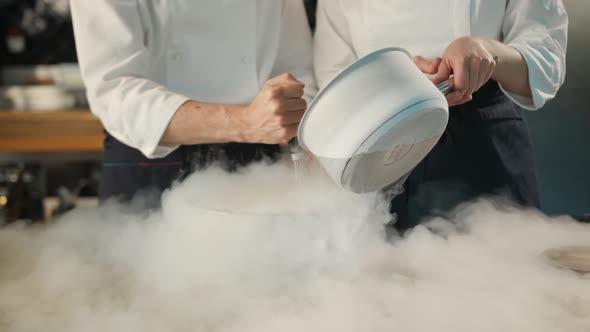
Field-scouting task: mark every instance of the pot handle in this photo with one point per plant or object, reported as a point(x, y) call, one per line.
point(446, 87)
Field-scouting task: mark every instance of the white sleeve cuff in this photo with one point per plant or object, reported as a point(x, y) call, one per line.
point(522, 101)
point(538, 81)
point(151, 146)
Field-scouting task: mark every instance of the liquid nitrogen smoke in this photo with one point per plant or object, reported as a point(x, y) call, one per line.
point(297, 257)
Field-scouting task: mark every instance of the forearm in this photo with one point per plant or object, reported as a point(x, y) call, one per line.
point(511, 68)
point(272, 118)
point(202, 123)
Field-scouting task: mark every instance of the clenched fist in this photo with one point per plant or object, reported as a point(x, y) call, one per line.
point(274, 116)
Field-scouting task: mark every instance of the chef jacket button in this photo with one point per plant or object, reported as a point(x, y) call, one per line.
point(245, 60)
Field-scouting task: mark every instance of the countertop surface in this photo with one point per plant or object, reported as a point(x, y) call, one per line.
point(50, 132)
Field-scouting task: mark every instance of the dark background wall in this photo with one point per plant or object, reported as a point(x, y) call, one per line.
point(561, 130)
point(46, 31)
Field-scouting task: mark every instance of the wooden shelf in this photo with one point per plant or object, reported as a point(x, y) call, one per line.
point(63, 131)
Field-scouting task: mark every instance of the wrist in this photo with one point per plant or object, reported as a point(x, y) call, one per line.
point(499, 52)
point(236, 127)
point(488, 44)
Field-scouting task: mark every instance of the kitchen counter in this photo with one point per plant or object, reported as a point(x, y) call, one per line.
point(59, 135)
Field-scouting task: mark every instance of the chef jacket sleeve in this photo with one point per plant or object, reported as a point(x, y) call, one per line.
point(116, 66)
point(538, 30)
point(333, 50)
point(295, 54)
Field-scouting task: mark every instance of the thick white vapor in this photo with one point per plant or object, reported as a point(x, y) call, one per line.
point(298, 257)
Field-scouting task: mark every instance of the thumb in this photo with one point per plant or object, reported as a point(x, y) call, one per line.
point(444, 73)
point(427, 66)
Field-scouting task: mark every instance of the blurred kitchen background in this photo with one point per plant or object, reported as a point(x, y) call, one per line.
point(50, 143)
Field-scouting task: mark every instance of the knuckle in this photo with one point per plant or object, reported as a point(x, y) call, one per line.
point(275, 92)
point(285, 77)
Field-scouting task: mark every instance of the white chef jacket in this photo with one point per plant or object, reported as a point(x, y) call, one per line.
point(350, 29)
point(142, 59)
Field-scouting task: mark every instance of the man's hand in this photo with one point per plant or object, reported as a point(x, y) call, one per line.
point(471, 63)
point(274, 116)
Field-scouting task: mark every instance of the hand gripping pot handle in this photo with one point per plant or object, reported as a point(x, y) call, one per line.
point(446, 87)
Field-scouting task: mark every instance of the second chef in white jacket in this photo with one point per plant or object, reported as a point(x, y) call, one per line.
point(506, 55)
point(180, 84)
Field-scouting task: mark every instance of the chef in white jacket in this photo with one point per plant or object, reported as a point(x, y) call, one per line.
point(505, 55)
point(180, 84)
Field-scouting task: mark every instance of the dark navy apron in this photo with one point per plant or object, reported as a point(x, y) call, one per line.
point(127, 173)
point(485, 151)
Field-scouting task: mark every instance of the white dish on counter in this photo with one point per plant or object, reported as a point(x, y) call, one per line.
point(39, 98)
point(66, 75)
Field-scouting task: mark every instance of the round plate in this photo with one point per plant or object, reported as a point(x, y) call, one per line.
point(574, 258)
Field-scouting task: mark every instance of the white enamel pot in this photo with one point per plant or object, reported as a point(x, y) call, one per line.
point(375, 121)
